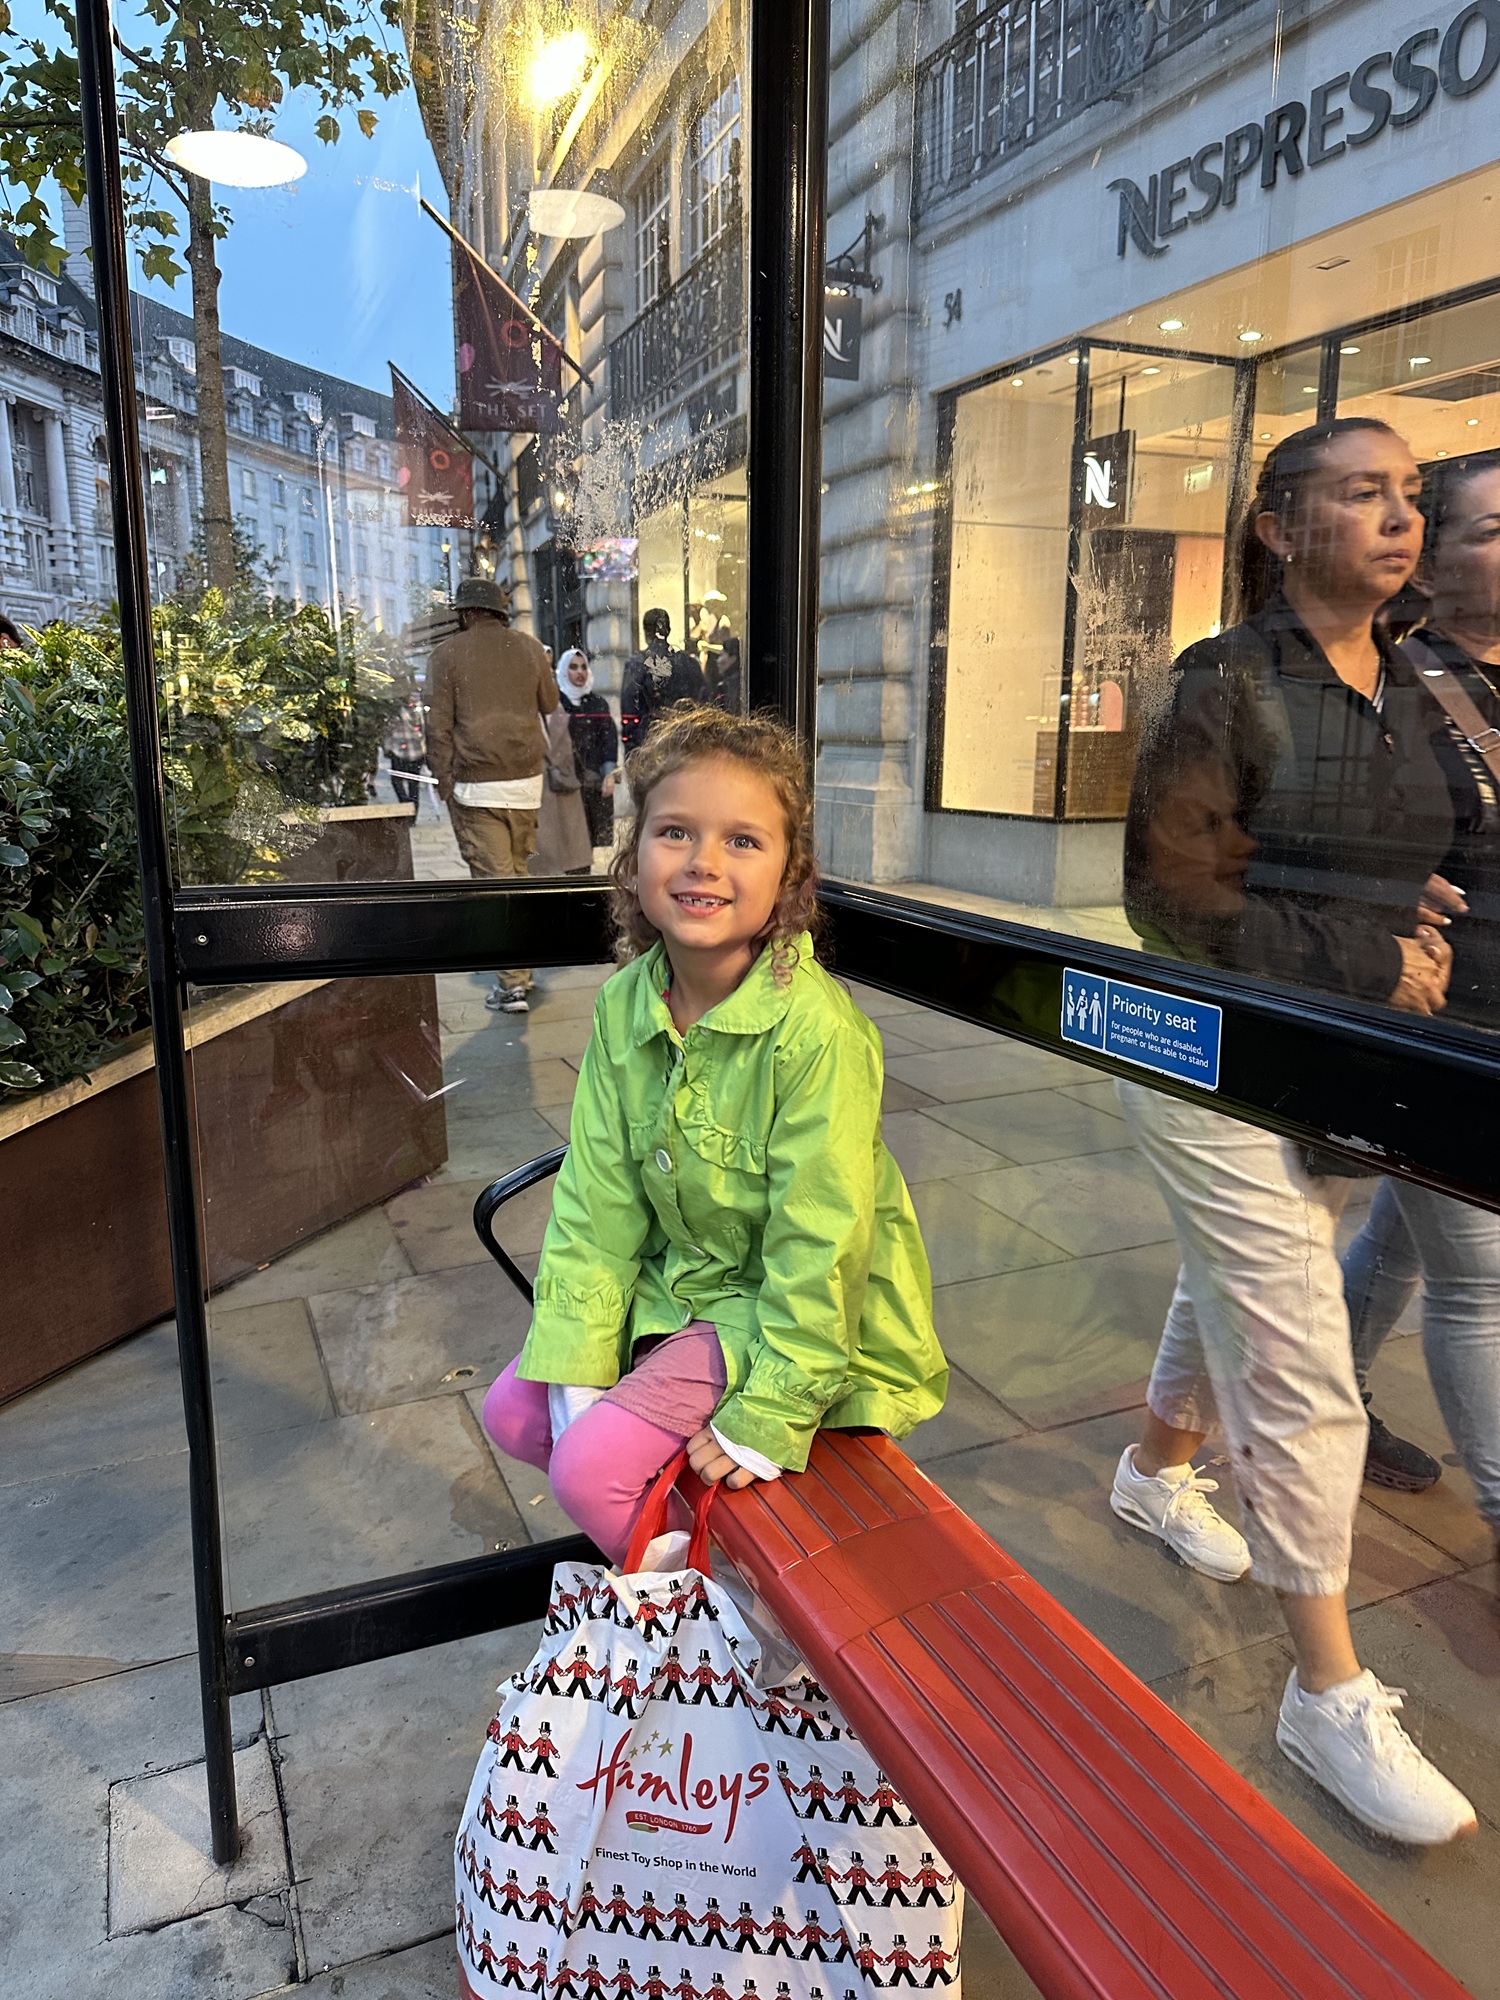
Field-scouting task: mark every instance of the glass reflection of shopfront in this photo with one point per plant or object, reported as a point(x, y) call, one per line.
point(1129, 274)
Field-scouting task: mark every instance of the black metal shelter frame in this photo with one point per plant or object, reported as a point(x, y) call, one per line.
point(1424, 1101)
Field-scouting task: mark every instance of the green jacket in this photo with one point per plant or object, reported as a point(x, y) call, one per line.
point(736, 1174)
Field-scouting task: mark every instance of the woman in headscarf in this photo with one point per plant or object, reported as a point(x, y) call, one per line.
point(563, 845)
point(596, 743)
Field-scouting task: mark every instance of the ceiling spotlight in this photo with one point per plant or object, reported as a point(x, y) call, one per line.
point(1017, 381)
point(557, 68)
point(236, 159)
point(1151, 371)
point(1348, 350)
point(1265, 437)
point(1170, 325)
point(1419, 361)
point(1309, 388)
point(1472, 422)
point(1251, 335)
point(1442, 454)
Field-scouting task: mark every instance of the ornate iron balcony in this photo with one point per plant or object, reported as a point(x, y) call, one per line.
point(693, 331)
point(1023, 67)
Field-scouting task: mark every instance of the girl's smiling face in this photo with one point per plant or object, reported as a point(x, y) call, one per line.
point(712, 855)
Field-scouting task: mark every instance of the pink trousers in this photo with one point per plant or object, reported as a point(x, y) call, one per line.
point(604, 1464)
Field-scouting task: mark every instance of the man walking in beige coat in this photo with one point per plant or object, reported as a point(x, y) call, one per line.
point(487, 687)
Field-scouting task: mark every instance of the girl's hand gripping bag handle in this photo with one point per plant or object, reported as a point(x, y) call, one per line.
point(652, 1524)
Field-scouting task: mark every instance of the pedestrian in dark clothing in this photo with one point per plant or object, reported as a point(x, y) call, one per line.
point(726, 675)
point(654, 680)
point(596, 743)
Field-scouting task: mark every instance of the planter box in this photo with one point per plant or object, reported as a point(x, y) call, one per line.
point(314, 1100)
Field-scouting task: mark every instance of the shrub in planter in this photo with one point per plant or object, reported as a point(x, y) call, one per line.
point(267, 714)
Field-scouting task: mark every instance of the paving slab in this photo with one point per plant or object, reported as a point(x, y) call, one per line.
point(491, 1070)
point(161, 1865)
point(267, 1371)
point(98, 1564)
point(483, 1144)
point(362, 1251)
point(927, 1029)
point(1444, 1896)
point(126, 1403)
point(435, 1224)
point(1107, 1201)
point(394, 1343)
point(376, 1764)
point(1101, 1096)
point(989, 1070)
point(360, 1497)
point(1064, 1340)
point(423, 1972)
point(879, 1005)
point(60, 1752)
point(926, 1150)
point(967, 1239)
point(969, 1417)
point(1033, 1125)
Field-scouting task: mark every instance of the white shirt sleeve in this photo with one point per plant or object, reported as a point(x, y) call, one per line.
point(566, 1403)
point(751, 1461)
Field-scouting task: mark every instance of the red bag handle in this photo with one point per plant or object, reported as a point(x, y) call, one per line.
point(654, 1515)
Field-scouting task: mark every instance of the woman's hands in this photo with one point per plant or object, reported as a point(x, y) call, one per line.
point(712, 1463)
point(1440, 902)
point(1426, 962)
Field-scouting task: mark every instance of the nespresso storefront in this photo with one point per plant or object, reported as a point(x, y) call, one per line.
point(1298, 239)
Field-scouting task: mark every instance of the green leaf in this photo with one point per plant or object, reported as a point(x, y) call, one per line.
point(19, 1076)
point(10, 1035)
point(12, 856)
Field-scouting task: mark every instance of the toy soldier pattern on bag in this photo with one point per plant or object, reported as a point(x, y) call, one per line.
point(623, 1773)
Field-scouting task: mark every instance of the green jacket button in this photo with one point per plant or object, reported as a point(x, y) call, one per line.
point(664, 1159)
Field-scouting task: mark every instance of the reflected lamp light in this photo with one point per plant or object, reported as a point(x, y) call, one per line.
point(236, 159)
point(556, 68)
point(572, 212)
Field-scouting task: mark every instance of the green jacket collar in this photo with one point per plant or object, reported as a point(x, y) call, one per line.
point(757, 1003)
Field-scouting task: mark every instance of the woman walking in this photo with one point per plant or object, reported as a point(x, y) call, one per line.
point(596, 743)
point(1285, 822)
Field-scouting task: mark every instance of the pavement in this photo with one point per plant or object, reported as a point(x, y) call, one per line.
point(348, 1376)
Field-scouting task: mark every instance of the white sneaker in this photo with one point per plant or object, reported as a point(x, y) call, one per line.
point(1171, 1506)
point(1349, 1740)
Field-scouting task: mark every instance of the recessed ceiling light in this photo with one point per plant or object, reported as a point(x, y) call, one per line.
point(1151, 371)
point(1265, 437)
point(1420, 361)
point(1017, 381)
point(1442, 454)
point(1309, 388)
point(1251, 335)
point(1472, 422)
point(1170, 325)
point(1072, 360)
point(1348, 350)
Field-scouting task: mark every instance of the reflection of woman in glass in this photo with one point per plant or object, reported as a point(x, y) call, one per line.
point(596, 742)
point(1286, 817)
point(1413, 1232)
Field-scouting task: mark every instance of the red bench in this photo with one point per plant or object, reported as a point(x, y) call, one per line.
point(1118, 1855)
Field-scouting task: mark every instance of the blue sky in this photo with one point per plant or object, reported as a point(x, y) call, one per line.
point(340, 269)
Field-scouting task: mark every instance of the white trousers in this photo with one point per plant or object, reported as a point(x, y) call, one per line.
point(1257, 1335)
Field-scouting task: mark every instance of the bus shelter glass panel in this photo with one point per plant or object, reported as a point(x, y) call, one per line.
point(446, 310)
point(344, 1129)
point(1094, 292)
point(1117, 643)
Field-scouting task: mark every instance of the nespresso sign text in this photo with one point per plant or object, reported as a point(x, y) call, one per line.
point(1393, 88)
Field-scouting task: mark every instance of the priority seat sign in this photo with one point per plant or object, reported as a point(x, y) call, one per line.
point(1157, 1031)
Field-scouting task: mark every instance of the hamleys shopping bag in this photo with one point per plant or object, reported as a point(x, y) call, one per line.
point(645, 1820)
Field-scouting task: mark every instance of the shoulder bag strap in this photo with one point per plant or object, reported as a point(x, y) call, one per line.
point(1444, 685)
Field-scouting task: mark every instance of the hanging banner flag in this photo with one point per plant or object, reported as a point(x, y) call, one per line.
point(509, 369)
point(436, 474)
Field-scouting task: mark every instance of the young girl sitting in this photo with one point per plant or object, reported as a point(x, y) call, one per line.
point(732, 1258)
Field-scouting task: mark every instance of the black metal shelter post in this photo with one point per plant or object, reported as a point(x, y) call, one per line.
point(128, 502)
point(789, 43)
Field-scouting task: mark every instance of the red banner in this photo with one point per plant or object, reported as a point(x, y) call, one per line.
point(509, 369)
point(437, 474)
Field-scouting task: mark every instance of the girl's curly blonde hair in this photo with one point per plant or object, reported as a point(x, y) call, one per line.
point(690, 734)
